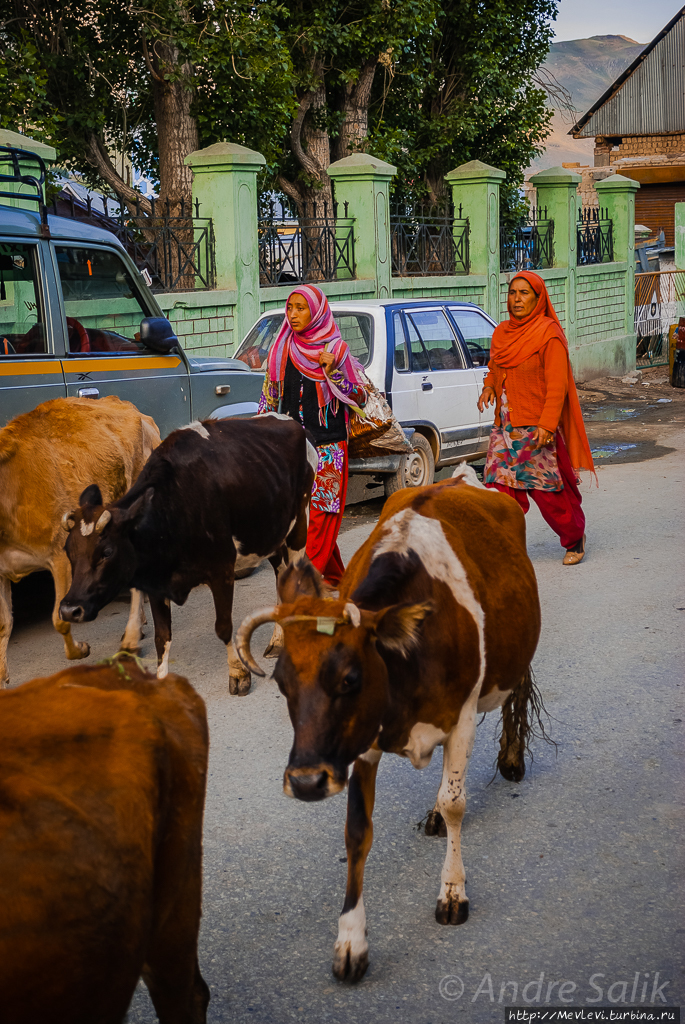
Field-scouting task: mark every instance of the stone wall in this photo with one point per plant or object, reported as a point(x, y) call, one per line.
point(644, 146)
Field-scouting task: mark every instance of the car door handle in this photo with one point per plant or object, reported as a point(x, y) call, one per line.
point(426, 385)
point(88, 393)
point(222, 389)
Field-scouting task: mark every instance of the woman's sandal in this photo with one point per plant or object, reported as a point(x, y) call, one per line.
point(575, 554)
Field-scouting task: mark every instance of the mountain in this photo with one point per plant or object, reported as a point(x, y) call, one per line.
point(586, 67)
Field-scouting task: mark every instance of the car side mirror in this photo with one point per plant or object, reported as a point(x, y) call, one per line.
point(157, 333)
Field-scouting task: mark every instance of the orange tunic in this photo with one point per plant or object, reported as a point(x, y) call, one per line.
point(532, 356)
point(536, 389)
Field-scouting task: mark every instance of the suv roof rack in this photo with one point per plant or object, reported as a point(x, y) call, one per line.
point(15, 157)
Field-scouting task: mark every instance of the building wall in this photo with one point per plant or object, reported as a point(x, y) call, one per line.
point(669, 146)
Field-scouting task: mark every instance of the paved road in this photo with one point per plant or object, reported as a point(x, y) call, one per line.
point(574, 876)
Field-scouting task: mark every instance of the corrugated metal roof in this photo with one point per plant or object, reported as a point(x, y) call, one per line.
point(649, 97)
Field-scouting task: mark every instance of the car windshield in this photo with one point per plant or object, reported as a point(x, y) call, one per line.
point(355, 328)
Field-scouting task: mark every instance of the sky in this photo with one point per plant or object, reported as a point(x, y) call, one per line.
point(638, 19)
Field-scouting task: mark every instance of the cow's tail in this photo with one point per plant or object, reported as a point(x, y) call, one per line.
point(522, 719)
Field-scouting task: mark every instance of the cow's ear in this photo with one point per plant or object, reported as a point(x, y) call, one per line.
point(299, 579)
point(92, 496)
point(137, 510)
point(398, 628)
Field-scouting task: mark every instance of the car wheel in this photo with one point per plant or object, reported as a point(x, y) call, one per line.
point(416, 470)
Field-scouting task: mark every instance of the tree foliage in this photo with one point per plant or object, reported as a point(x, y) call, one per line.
point(425, 84)
point(466, 90)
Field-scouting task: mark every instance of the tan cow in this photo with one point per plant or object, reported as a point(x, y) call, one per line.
point(102, 783)
point(437, 620)
point(47, 458)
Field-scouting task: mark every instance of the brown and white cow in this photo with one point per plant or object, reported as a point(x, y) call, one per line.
point(47, 457)
point(438, 618)
point(102, 783)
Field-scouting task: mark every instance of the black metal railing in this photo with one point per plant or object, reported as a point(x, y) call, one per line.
point(529, 245)
point(428, 240)
point(318, 246)
point(595, 236)
point(172, 246)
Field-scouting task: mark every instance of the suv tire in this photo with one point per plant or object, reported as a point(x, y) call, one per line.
point(416, 470)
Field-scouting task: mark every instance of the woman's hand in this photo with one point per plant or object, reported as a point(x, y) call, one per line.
point(487, 397)
point(326, 359)
point(542, 437)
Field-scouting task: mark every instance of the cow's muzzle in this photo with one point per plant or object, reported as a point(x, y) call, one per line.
point(312, 783)
point(72, 612)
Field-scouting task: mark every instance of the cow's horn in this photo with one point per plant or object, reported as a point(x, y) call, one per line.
point(352, 614)
point(244, 635)
point(102, 521)
point(68, 521)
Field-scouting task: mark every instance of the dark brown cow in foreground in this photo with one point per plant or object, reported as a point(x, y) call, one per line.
point(102, 784)
point(438, 618)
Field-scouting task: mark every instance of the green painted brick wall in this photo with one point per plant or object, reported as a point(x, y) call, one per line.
point(600, 306)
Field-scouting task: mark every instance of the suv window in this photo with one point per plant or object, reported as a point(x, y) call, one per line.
point(22, 330)
point(476, 332)
point(439, 344)
point(355, 328)
point(101, 302)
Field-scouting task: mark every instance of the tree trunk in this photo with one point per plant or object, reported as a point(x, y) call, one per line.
point(312, 192)
point(176, 127)
point(177, 136)
point(355, 125)
point(99, 158)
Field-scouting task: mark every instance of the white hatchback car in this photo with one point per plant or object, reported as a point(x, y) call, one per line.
point(429, 358)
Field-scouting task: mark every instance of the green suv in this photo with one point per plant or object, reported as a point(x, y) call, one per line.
point(77, 318)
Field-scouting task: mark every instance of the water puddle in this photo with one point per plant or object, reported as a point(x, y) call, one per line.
point(607, 450)
point(610, 413)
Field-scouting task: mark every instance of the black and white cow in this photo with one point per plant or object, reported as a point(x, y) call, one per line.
point(212, 499)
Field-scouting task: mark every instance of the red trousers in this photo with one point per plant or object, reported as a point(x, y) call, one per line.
point(322, 537)
point(560, 509)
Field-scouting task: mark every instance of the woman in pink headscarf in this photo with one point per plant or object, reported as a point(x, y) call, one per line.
point(312, 376)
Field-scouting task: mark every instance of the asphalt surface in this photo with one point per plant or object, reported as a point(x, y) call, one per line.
point(574, 876)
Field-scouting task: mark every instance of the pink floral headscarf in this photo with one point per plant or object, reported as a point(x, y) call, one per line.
point(305, 347)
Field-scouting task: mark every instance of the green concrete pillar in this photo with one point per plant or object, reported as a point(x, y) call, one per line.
point(225, 183)
point(617, 195)
point(556, 190)
point(680, 236)
point(48, 154)
point(363, 182)
point(475, 186)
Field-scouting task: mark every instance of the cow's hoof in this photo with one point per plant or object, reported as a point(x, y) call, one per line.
point(348, 966)
point(239, 685)
point(435, 824)
point(452, 911)
point(273, 651)
point(4, 683)
point(80, 650)
point(134, 649)
point(512, 772)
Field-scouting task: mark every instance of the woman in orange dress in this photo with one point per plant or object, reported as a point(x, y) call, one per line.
point(538, 443)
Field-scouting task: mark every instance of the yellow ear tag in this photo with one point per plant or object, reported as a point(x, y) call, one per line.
point(326, 625)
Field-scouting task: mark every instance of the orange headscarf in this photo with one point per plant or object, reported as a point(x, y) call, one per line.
point(514, 341)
